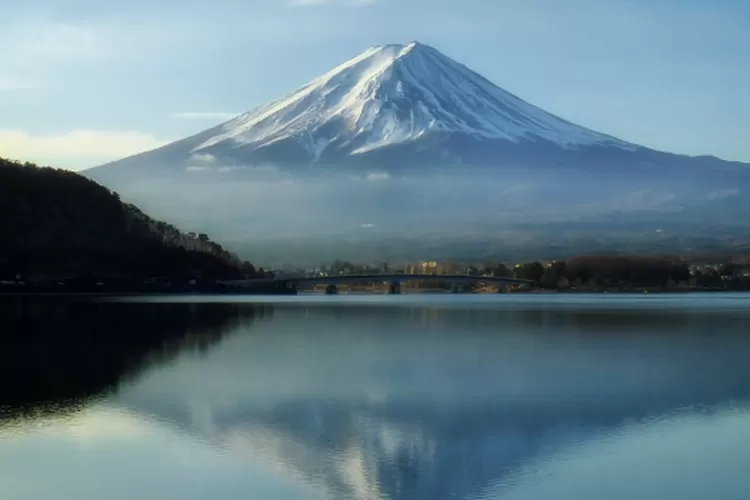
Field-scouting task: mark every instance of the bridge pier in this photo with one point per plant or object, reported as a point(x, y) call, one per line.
point(332, 290)
point(394, 288)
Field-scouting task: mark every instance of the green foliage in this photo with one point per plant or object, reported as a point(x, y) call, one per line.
point(57, 224)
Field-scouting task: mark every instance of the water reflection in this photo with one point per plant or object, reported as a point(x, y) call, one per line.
point(58, 353)
point(441, 403)
point(428, 401)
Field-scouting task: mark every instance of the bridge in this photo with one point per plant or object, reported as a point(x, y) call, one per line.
point(290, 284)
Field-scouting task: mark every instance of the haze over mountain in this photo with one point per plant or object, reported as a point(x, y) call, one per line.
point(404, 143)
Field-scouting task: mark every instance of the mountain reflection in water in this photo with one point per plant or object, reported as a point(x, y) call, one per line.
point(420, 401)
point(59, 352)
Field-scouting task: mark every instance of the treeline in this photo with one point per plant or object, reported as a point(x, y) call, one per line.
point(618, 273)
point(596, 272)
point(57, 224)
point(579, 272)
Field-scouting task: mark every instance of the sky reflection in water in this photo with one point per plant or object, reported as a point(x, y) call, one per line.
point(421, 398)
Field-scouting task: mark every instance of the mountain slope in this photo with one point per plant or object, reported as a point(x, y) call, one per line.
point(55, 224)
point(394, 94)
point(402, 141)
point(391, 95)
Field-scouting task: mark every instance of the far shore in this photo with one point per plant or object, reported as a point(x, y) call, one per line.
point(8, 294)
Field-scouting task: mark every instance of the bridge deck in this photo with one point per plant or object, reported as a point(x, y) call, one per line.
point(378, 278)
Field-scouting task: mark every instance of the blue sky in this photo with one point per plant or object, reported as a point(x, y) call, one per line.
point(86, 81)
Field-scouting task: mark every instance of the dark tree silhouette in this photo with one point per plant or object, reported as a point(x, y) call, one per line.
point(55, 224)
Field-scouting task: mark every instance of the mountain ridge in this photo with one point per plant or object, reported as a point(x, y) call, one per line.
point(374, 83)
point(388, 96)
point(402, 141)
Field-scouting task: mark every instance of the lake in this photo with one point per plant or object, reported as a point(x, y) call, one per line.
point(568, 397)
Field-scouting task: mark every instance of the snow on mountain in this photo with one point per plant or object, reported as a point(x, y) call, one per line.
point(394, 94)
point(409, 143)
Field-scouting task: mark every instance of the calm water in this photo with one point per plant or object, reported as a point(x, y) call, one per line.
point(600, 397)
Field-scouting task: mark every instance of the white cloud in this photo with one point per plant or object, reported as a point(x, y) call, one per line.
point(203, 158)
point(76, 149)
point(202, 162)
point(721, 194)
point(205, 115)
point(230, 168)
point(378, 176)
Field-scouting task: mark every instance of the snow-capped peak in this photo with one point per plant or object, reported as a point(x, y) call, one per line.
point(393, 94)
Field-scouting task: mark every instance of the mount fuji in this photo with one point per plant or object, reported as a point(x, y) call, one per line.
point(404, 142)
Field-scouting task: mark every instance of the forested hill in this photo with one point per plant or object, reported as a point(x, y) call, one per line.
point(55, 224)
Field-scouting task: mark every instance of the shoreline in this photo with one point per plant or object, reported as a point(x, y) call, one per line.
point(60, 294)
